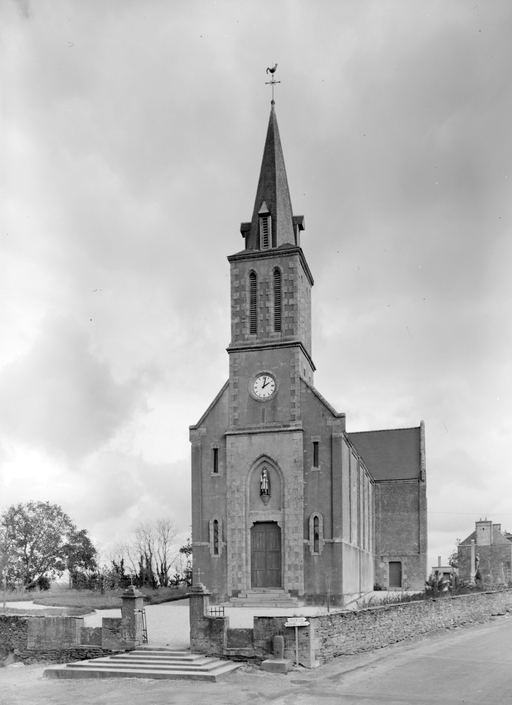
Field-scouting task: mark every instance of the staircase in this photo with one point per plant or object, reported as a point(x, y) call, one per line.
point(264, 597)
point(147, 662)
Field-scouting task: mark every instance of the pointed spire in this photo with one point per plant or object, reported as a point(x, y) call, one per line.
point(273, 192)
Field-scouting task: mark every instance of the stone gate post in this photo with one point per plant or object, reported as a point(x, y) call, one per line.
point(131, 614)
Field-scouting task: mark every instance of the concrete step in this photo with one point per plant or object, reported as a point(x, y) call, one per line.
point(264, 598)
point(263, 605)
point(147, 663)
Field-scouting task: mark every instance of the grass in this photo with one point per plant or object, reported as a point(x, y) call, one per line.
point(50, 612)
point(391, 599)
point(88, 600)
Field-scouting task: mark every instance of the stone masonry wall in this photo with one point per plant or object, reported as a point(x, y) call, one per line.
point(346, 633)
point(50, 639)
point(13, 634)
point(65, 655)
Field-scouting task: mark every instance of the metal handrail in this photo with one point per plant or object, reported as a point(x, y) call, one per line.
point(144, 626)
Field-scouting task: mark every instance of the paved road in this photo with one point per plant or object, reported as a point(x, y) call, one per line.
point(471, 666)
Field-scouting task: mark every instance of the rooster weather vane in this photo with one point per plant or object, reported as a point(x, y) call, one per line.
point(272, 81)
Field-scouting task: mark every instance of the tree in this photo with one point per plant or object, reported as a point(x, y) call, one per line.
point(166, 533)
point(41, 540)
point(81, 560)
point(149, 558)
point(154, 546)
point(186, 551)
point(453, 560)
point(144, 545)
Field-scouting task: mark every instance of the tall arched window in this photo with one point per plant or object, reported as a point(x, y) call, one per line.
point(215, 537)
point(316, 533)
point(277, 300)
point(253, 303)
point(216, 544)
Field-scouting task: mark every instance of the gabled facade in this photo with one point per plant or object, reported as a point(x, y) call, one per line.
point(485, 555)
point(283, 500)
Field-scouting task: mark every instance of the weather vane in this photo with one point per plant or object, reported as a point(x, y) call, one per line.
point(272, 81)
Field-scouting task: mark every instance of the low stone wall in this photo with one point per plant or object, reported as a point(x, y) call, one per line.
point(13, 634)
point(32, 639)
point(65, 655)
point(342, 633)
point(346, 633)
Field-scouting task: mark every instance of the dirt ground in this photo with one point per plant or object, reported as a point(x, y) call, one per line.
point(469, 661)
point(25, 685)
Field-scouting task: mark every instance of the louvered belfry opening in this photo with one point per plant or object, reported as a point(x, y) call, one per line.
point(265, 231)
point(277, 301)
point(253, 303)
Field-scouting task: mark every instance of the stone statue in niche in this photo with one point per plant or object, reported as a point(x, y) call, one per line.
point(265, 486)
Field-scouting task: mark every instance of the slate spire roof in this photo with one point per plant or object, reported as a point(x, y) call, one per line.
point(273, 195)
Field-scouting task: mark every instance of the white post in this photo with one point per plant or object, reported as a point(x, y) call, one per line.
point(472, 573)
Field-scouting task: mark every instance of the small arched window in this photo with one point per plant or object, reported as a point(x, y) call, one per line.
point(277, 300)
point(253, 303)
point(216, 536)
point(316, 533)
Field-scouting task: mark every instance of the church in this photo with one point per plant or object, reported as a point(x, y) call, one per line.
point(286, 504)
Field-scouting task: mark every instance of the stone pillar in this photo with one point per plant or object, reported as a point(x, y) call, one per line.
point(472, 570)
point(207, 634)
point(199, 603)
point(131, 614)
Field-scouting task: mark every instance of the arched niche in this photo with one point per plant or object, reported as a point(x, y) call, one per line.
point(265, 487)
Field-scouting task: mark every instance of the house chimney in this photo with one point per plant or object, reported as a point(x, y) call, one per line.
point(483, 530)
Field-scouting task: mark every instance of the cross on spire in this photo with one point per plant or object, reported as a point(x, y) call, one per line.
point(272, 81)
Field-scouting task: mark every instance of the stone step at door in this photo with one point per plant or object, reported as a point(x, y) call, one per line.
point(270, 598)
point(147, 663)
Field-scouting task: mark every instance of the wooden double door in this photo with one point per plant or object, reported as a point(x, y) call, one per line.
point(266, 555)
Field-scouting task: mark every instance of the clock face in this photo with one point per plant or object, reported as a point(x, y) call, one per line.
point(264, 386)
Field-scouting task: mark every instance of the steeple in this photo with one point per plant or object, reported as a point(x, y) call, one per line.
point(273, 223)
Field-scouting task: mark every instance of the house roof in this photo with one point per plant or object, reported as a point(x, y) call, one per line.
point(393, 454)
point(497, 538)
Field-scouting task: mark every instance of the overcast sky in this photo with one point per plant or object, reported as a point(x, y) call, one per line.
point(132, 136)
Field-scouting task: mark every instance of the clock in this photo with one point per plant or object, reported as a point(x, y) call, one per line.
point(264, 386)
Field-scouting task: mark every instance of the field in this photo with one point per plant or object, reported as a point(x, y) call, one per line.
point(76, 602)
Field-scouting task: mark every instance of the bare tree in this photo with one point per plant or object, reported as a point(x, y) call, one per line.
point(144, 545)
point(165, 549)
point(150, 556)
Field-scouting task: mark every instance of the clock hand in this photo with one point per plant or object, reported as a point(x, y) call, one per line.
point(264, 385)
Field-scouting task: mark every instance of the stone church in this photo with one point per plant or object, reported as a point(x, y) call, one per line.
point(286, 504)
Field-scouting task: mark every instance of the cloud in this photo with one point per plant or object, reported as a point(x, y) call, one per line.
point(133, 140)
point(61, 397)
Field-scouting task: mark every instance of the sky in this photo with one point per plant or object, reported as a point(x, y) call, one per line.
point(132, 137)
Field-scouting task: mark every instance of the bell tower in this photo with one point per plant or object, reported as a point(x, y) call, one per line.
point(269, 355)
point(271, 283)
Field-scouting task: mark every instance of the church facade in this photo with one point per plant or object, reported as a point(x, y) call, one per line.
point(284, 500)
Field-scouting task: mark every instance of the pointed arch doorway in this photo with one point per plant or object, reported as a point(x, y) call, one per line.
point(266, 555)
